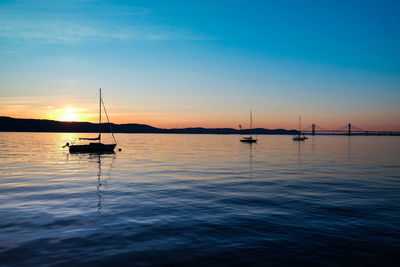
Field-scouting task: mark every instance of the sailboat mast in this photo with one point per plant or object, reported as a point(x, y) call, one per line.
point(251, 123)
point(100, 116)
point(299, 124)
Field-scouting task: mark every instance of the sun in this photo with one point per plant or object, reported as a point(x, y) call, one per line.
point(69, 115)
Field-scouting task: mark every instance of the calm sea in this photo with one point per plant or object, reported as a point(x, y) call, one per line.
point(200, 200)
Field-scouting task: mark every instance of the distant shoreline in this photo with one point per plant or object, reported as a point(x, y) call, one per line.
point(9, 124)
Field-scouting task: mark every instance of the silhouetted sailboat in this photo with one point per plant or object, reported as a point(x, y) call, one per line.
point(249, 139)
point(300, 136)
point(94, 147)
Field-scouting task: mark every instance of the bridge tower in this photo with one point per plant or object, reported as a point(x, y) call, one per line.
point(349, 129)
point(313, 129)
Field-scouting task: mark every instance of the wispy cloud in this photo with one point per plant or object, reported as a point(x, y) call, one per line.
point(52, 25)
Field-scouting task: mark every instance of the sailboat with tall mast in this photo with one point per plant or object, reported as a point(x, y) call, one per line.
point(300, 136)
point(249, 139)
point(95, 147)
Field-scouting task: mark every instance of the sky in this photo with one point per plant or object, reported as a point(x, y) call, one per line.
point(203, 63)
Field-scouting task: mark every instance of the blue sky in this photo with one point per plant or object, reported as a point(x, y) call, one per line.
point(204, 63)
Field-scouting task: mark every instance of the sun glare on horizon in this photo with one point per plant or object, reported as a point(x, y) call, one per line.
point(69, 115)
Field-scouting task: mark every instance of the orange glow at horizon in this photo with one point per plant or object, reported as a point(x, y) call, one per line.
point(185, 117)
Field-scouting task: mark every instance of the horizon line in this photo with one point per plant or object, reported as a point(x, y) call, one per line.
point(194, 127)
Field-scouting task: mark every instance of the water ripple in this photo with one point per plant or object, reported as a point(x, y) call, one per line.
point(200, 200)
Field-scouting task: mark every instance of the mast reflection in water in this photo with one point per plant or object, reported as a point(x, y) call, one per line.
point(97, 158)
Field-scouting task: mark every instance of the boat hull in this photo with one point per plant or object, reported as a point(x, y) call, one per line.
point(92, 148)
point(248, 140)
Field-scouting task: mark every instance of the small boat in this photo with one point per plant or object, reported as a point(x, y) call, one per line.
point(300, 136)
point(249, 139)
point(92, 148)
point(95, 147)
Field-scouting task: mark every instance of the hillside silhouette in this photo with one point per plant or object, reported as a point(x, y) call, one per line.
point(8, 124)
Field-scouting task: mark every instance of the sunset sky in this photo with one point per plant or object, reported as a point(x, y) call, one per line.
point(203, 63)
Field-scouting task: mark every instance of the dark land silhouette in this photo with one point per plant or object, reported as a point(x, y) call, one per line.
point(8, 124)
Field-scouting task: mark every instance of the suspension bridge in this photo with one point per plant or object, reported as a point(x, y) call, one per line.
point(349, 129)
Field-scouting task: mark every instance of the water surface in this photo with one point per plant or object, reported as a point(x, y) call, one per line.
point(200, 199)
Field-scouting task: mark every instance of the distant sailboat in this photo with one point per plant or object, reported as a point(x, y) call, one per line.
point(249, 139)
point(300, 136)
point(94, 147)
